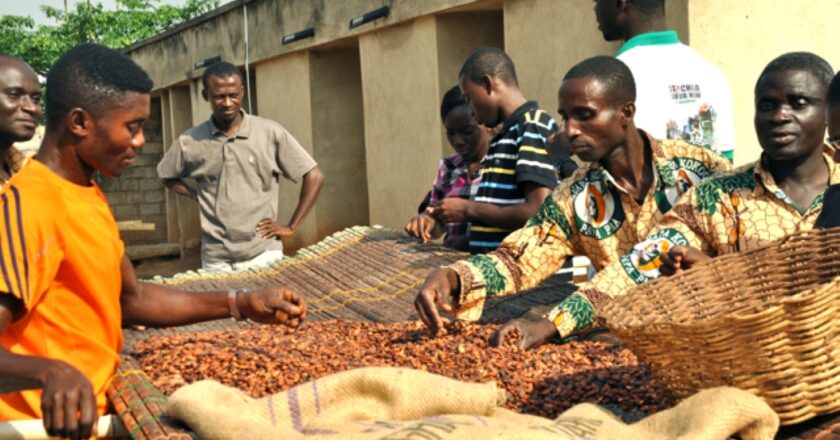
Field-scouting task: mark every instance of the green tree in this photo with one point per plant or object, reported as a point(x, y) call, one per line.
point(132, 20)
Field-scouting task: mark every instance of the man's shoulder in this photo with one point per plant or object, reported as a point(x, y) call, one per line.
point(198, 132)
point(31, 194)
point(537, 117)
point(678, 149)
point(741, 178)
point(261, 123)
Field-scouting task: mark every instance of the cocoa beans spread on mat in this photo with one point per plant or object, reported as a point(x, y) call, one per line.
point(265, 360)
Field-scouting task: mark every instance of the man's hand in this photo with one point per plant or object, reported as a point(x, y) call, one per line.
point(272, 305)
point(422, 227)
point(180, 187)
point(268, 228)
point(452, 210)
point(68, 403)
point(436, 291)
point(534, 333)
point(680, 258)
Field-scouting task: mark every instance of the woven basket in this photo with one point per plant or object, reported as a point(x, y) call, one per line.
point(766, 321)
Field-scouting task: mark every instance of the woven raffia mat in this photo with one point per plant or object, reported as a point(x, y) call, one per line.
point(360, 273)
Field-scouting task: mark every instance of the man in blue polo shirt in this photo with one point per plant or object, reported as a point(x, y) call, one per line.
point(680, 95)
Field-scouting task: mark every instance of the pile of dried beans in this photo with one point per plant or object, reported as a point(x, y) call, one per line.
point(270, 359)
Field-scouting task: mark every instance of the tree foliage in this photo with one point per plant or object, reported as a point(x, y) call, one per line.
point(90, 22)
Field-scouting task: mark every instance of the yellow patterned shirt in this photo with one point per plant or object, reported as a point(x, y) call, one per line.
point(732, 212)
point(587, 214)
point(14, 162)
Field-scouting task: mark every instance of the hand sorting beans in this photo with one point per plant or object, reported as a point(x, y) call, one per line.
point(266, 360)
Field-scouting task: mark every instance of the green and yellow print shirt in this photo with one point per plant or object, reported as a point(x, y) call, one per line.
point(732, 212)
point(587, 214)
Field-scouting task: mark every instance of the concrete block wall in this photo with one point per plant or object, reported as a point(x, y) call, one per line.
point(137, 194)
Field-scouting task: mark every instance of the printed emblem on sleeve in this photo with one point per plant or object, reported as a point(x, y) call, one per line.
point(643, 261)
point(678, 176)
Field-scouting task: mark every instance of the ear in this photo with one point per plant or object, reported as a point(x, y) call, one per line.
point(79, 122)
point(204, 95)
point(628, 111)
point(487, 83)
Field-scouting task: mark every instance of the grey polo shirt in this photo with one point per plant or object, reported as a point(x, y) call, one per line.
point(237, 181)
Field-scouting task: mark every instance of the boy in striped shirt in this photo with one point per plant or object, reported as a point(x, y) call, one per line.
point(517, 174)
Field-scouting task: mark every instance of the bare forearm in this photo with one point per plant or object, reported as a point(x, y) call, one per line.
point(312, 183)
point(180, 187)
point(18, 372)
point(160, 306)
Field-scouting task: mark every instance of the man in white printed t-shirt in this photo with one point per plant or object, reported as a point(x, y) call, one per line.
point(679, 95)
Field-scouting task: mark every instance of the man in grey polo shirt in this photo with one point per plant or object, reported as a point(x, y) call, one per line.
point(236, 160)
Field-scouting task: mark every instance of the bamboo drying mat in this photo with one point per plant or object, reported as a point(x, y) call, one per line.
point(361, 273)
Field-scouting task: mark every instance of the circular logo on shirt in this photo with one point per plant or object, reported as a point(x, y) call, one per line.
point(598, 210)
point(643, 262)
point(686, 173)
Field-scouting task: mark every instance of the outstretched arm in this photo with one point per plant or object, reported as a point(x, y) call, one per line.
point(160, 306)
point(524, 259)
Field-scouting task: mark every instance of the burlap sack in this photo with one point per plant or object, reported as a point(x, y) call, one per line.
point(399, 403)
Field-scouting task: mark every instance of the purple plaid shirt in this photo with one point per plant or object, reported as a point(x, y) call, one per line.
point(452, 180)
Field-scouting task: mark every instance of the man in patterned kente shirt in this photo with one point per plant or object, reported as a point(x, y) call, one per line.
point(779, 194)
point(606, 207)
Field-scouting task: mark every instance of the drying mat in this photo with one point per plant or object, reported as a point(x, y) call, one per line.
point(360, 273)
point(141, 406)
point(374, 263)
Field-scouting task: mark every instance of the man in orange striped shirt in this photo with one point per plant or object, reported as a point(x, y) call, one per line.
point(66, 286)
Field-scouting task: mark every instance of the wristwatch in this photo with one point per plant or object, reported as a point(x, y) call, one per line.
point(234, 309)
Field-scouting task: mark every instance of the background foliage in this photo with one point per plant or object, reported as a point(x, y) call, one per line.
point(132, 20)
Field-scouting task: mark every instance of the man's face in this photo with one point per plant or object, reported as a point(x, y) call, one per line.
point(606, 13)
point(463, 133)
point(790, 114)
point(20, 95)
point(115, 134)
point(593, 124)
point(480, 97)
point(225, 97)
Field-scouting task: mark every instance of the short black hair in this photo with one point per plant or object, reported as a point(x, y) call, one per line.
point(650, 7)
point(804, 61)
point(833, 97)
point(221, 69)
point(611, 72)
point(488, 61)
point(92, 77)
point(453, 98)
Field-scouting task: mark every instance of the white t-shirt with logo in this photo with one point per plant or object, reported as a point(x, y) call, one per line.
point(679, 95)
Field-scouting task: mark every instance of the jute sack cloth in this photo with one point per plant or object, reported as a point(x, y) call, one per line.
point(399, 403)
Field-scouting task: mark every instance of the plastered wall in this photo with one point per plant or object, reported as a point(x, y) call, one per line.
point(283, 87)
point(741, 37)
point(401, 89)
point(339, 139)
